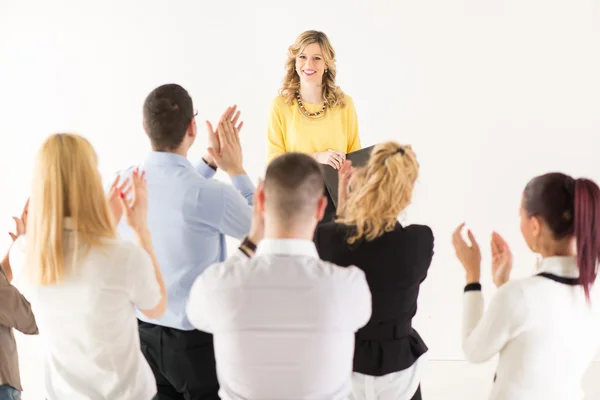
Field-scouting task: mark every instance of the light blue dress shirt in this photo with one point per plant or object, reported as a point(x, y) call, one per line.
point(189, 215)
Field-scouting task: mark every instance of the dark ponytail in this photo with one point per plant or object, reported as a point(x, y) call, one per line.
point(587, 231)
point(570, 208)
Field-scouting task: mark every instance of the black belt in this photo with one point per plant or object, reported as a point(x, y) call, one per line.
point(383, 332)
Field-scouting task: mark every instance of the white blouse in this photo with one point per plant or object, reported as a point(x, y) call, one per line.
point(545, 332)
point(88, 325)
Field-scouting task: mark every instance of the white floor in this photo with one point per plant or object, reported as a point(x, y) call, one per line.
point(443, 380)
point(459, 380)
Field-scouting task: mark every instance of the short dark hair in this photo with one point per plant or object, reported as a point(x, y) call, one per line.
point(168, 111)
point(293, 185)
point(571, 208)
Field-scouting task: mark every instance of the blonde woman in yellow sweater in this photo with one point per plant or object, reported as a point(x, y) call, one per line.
point(311, 114)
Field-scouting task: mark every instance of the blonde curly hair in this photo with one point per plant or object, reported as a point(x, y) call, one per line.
point(332, 94)
point(383, 189)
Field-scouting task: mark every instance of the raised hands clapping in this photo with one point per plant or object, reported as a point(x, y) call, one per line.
point(231, 114)
point(114, 201)
point(228, 154)
point(135, 209)
point(470, 257)
point(20, 223)
point(502, 260)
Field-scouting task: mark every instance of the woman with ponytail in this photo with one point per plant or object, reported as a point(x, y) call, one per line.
point(389, 354)
point(545, 328)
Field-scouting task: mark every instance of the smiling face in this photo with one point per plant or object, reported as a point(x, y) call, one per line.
point(310, 64)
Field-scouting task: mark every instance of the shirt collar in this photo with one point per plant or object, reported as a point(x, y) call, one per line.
point(288, 247)
point(564, 266)
point(166, 158)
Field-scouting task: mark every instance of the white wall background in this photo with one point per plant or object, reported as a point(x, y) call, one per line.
point(488, 92)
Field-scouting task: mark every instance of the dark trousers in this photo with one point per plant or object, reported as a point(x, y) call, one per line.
point(183, 362)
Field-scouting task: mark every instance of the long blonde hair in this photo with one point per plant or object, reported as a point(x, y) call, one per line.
point(384, 189)
point(332, 94)
point(66, 183)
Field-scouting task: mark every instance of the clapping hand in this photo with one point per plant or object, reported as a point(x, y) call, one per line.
point(136, 208)
point(229, 155)
point(469, 256)
point(113, 197)
point(20, 223)
point(501, 260)
point(231, 114)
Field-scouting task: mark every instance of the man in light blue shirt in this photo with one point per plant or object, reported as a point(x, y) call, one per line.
point(189, 215)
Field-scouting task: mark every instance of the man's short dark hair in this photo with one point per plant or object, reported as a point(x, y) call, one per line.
point(293, 186)
point(168, 111)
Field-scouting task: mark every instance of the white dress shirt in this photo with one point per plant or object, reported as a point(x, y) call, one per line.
point(283, 322)
point(88, 324)
point(544, 331)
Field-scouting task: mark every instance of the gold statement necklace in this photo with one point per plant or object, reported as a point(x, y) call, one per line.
point(316, 115)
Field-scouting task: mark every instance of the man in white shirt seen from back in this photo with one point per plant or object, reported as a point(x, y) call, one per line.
point(283, 320)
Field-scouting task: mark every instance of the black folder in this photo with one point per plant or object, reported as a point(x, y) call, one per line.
point(359, 158)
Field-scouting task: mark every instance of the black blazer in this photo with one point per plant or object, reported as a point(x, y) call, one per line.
point(395, 264)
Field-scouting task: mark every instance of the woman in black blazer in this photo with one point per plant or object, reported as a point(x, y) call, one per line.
point(389, 353)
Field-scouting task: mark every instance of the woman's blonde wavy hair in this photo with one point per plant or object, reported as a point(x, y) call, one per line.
point(332, 94)
point(382, 190)
point(66, 184)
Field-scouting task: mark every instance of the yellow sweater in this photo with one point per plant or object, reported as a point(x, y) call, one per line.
point(289, 130)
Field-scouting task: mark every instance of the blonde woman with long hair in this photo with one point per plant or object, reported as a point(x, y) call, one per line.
point(311, 114)
point(82, 281)
point(389, 354)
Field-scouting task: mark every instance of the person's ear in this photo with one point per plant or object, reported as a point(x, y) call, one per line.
point(260, 196)
point(191, 130)
point(536, 226)
point(322, 205)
